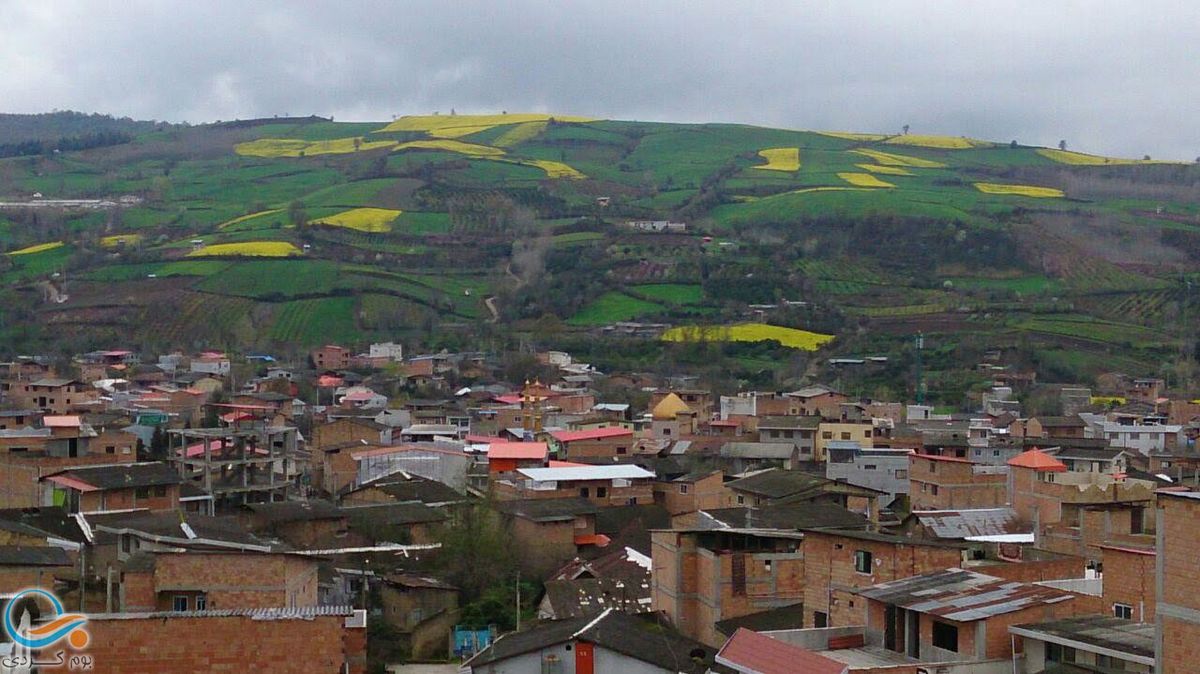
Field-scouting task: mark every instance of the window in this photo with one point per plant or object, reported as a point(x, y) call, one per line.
point(160, 490)
point(1124, 611)
point(827, 435)
point(110, 449)
point(901, 473)
point(774, 434)
point(741, 500)
point(933, 489)
point(1059, 653)
point(933, 466)
point(683, 488)
point(945, 636)
point(583, 492)
point(179, 602)
point(820, 619)
point(1137, 517)
point(869, 466)
point(601, 492)
point(767, 565)
point(862, 561)
point(142, 492)
point(995, 452)
point(924, 487)
point(846, 435)
point(666, 431)
point(126, 542)
point(622, 450)
point(201, 602)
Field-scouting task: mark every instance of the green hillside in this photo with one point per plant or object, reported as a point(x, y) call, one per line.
point(281, 234)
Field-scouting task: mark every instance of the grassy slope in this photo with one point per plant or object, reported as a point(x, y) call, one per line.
point(193, 183)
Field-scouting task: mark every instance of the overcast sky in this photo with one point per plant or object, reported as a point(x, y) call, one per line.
point(1116, 77)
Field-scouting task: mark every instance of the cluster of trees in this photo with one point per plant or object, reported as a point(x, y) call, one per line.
point(85, 141)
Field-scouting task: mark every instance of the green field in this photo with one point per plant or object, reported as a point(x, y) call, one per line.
point(612, 307)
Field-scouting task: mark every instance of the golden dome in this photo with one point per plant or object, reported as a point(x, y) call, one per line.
point(668, 408)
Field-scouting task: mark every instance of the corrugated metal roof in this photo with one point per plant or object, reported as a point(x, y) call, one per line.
point(976, 522)
point(625, 472)
point(963, 596)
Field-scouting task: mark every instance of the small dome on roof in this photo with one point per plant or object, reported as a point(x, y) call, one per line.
point(669, 407)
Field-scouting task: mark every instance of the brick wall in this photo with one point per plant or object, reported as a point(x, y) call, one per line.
point(320, 644)
point(830, 575)
point(1177, 609)
point(1129, 579)
point(237, 581)
point(13, 579)
point(600, 448)
point(940, 484)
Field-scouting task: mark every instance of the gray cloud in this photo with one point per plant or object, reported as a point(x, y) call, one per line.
point(1108, 76)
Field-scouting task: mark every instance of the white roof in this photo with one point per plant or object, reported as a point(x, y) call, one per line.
point(1002, 538)
point(570, 473)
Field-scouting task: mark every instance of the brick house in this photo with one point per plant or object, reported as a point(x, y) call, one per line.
point(839, 563)
point(268, 641)
point(702, 576)
point(53, 395)
point(23, 566)
point(549, 532)
point(1177, 609)
point(603, 485)
point(819, 401)
point(506, 457)
point(1129, 582)
point(700, 490)
point(331, 357)
point(954, 615)
point(215, 580)
point(422, 610)
point(303, 524)
point(948, 483)
point(152, 485)
point(605, 443)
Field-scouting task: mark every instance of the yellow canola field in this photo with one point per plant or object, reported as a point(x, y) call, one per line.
point(805, 190)
point(1081, 159)
point(864, 180)
point(886, 170)
point(469, 149)
point(938, 142)
point(371, 220)
point(749, 332)
point(864, 137)
point(456, 126)
point(780, 159)
point(243, 218)
point(291, 147)
point(38, 248)
point(553, 169)
point(892, 159)
point(520, 133)
point(1019, 190)
point(120, 240)
point(248, 249)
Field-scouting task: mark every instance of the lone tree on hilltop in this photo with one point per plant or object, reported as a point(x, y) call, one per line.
point(1062, 145)
point(906, 129)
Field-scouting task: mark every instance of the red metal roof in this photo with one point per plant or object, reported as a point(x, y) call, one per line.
point(1039, 461)
point(749, 651)
point(591, 434)
point(78, 485)
point(517, 450)
point(329, 381)
point(71, 421)
point(482, 439)
point(724, 422)
point(566, 464)
point(598, 540)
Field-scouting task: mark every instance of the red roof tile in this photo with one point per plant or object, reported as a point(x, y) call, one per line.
point(598, 540)
point(750, 651)
point(1039, 461)
point(591, 434)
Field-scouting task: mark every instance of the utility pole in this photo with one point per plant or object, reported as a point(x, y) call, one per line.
point(518, 600)
point(920, 344)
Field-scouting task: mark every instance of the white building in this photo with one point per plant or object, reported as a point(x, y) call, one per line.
point(386, 350)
